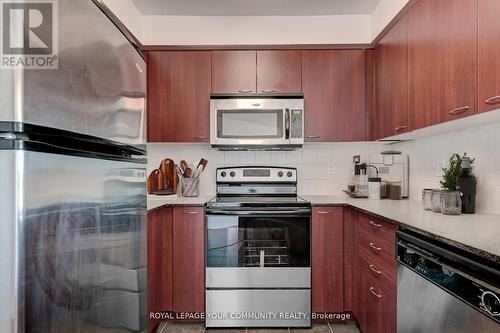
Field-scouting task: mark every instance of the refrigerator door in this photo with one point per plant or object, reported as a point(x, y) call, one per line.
point(98, 89)
point(74, 248)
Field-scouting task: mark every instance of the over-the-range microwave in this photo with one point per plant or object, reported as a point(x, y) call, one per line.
point(257, 121)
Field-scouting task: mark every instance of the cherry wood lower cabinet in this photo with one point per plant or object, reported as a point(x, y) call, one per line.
point(374, 277)
point(176, 260)
point(189, 259)
point(378, 310)
point(327, 259)
point(160, 268)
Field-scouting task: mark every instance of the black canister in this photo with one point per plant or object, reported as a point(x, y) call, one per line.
point(466, 184)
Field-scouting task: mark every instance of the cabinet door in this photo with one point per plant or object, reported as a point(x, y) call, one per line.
point(279, 71)
point(179, 96)
point(378, 314)
point(489, 55)
point(234, 71)
point(189, 259)
point(327, 260)
point(350, 260)
point(391, 77)
point(160, 261)
point(442, 60)
point(333, 82)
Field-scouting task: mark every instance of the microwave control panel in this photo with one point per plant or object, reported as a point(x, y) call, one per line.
point(296, 124)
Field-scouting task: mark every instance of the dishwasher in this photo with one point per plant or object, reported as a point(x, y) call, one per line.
point(443, 289)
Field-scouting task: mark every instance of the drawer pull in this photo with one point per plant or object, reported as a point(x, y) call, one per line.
point(375, 247)
point(372, 290)
point(373, 269)
point(313, 137)
point(493, 100)
point(459, 110)
point(376, 225)
point(325, 212)
point(400, 128)
point(190, 212)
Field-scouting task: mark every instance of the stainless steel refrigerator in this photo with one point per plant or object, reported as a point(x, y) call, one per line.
point(72, 184)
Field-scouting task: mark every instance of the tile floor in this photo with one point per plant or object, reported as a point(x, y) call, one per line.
point(199, 328)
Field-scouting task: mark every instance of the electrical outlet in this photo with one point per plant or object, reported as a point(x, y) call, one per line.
point(331, 168)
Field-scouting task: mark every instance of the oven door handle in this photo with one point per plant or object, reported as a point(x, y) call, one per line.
point(287, 124)
point(259, 212)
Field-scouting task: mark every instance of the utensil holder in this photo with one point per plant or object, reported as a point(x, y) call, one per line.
point(190, 187)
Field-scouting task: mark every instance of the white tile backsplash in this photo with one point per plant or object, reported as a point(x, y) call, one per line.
point(312, 161)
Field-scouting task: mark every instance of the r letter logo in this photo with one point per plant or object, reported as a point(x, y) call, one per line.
point(29, 34)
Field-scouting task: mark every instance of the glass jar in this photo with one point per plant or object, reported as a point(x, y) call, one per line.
point(427, 198)
point(394, 189)
point(436, 201)
point(451, 203)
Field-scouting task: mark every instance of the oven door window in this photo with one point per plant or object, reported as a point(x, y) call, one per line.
point(250, 124)
point(246, 241)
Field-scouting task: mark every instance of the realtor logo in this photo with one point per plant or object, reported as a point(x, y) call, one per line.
point(29, 34)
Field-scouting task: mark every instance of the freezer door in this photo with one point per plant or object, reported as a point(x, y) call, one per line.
point(98, 89)
point(73, 242)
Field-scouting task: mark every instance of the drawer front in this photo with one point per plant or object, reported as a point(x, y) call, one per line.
point(379, 229)
point(379, 308)
point(377, 251)
point(383, 276)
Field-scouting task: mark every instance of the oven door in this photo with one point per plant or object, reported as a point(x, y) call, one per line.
point(259, 250)
point(247, 122)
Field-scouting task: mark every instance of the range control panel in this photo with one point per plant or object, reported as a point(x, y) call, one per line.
point(256, 175)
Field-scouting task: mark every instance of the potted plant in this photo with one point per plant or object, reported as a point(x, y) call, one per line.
point(451, 203)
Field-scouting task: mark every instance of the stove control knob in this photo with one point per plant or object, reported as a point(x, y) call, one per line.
point(223, 173)
point(232, 173)
point(491, 303)
point(280, 174)
point(289, 174)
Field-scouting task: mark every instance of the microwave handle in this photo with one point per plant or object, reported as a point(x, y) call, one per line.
point(287, 124)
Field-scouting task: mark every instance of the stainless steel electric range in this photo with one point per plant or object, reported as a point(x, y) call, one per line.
point(258, 256)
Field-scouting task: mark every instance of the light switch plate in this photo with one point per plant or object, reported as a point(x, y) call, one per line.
point(331, 168)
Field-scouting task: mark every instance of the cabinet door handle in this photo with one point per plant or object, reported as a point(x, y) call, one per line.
point(268, 91)
point(459, 110)
point(372, 290)
point(313, 136)
point(493, 100)
point(376, 225)
point(190, 212)
point(199, 137)
point(375, 247)
point(374, 270)
point(400, 128)
point(325, 212)
point(245, 90)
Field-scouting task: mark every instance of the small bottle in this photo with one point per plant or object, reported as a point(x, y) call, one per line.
point(466, 184)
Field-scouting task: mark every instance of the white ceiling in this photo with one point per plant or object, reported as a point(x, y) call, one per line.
point(255, 7)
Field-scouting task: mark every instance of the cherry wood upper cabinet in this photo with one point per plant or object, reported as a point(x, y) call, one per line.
point(327, 259)
point(160, 269)
point(488, 55)
point(391, 83)
point(279, 71)
point(179, 96)
point(333, 82)
point(234, 71)
point(189, 259)
point(442, 60)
